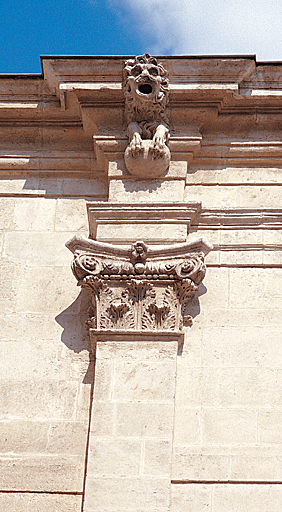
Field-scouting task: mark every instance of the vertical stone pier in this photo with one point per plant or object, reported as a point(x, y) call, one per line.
point(140, 296)
point(140, 302)
point(130, 445)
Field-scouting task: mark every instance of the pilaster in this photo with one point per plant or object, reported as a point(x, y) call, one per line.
point(130, 446)
point(141, 274)
point(140, 303)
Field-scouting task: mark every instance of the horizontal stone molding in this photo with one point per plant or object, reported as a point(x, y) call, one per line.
point(111, 335)
point(112, 147)
point(106, 218)
point(231, 84)
point(238, 218)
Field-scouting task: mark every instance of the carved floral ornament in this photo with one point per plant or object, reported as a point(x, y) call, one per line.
point(139, 288)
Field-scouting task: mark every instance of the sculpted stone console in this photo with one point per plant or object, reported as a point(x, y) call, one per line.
point(146, 153)
point(146, 97)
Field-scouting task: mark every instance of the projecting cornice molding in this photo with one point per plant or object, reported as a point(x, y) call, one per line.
point(238, 218)
point(157, 223)
point(83, 97)
point(227, 83)
point(139, 287)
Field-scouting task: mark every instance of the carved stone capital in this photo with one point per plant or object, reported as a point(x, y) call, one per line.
point(139, 287)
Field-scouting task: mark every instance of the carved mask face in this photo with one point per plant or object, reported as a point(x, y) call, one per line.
point(145, 80)
point(145, 77)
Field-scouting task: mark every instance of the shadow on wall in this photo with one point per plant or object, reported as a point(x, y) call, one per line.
point(142, 186)
point(194, 305)
point(74, 335)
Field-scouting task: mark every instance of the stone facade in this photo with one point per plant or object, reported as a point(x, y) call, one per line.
point(171, 399)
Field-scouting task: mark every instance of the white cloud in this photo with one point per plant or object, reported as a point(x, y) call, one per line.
point(208, 26)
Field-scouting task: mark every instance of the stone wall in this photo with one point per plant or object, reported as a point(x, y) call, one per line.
point(45, 370)
point(226, 450)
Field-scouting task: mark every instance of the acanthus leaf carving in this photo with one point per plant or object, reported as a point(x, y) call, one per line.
point(161, 313)
point(93, 283)
point(138, 289)
point(158, 313)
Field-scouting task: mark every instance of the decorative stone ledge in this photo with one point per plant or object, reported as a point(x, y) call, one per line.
point(136, 336)
point(157, 223)
point(139, 288)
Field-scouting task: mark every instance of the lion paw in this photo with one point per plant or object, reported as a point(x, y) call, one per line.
point(158, 146)
point(136, 146)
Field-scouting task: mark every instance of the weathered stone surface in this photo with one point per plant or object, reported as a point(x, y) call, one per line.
point(63, 137)
point(147, 494)
point(41, 473)
point(148, 232)
point(192, 463)
point(234, 498)
point(145, 381)
point(137, 192)
point(38, 399)
point(32, 502)
point(229, 426)
point(187, 428)
point(147, 420)
point(114, 457)
point(254, 498)
point(235, 463)
point(45, 294)
point(34, 214)
point(68, 208)
point(9, 274)
point(132, 424)
point(37, 249)
point(157, 454)
point(195, 497)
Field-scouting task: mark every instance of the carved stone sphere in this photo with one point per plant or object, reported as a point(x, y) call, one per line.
point(145, 164)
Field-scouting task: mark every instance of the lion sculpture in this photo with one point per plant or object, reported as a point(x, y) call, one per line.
point(146, 97)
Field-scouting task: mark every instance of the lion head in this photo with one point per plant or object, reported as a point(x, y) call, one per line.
point(146, 90)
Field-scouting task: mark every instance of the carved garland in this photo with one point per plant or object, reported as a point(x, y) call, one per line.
point(139, 294)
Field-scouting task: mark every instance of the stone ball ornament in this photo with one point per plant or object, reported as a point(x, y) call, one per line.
point(145, 163)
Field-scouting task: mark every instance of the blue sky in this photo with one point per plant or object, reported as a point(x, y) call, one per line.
point(32, 28)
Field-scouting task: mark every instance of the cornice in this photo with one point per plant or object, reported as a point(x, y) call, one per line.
point(106, 219)
point(254, 240)
point(238, 218)
point(228, 84)
point(74, 91)
point(237, 83)
point(136, 336)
